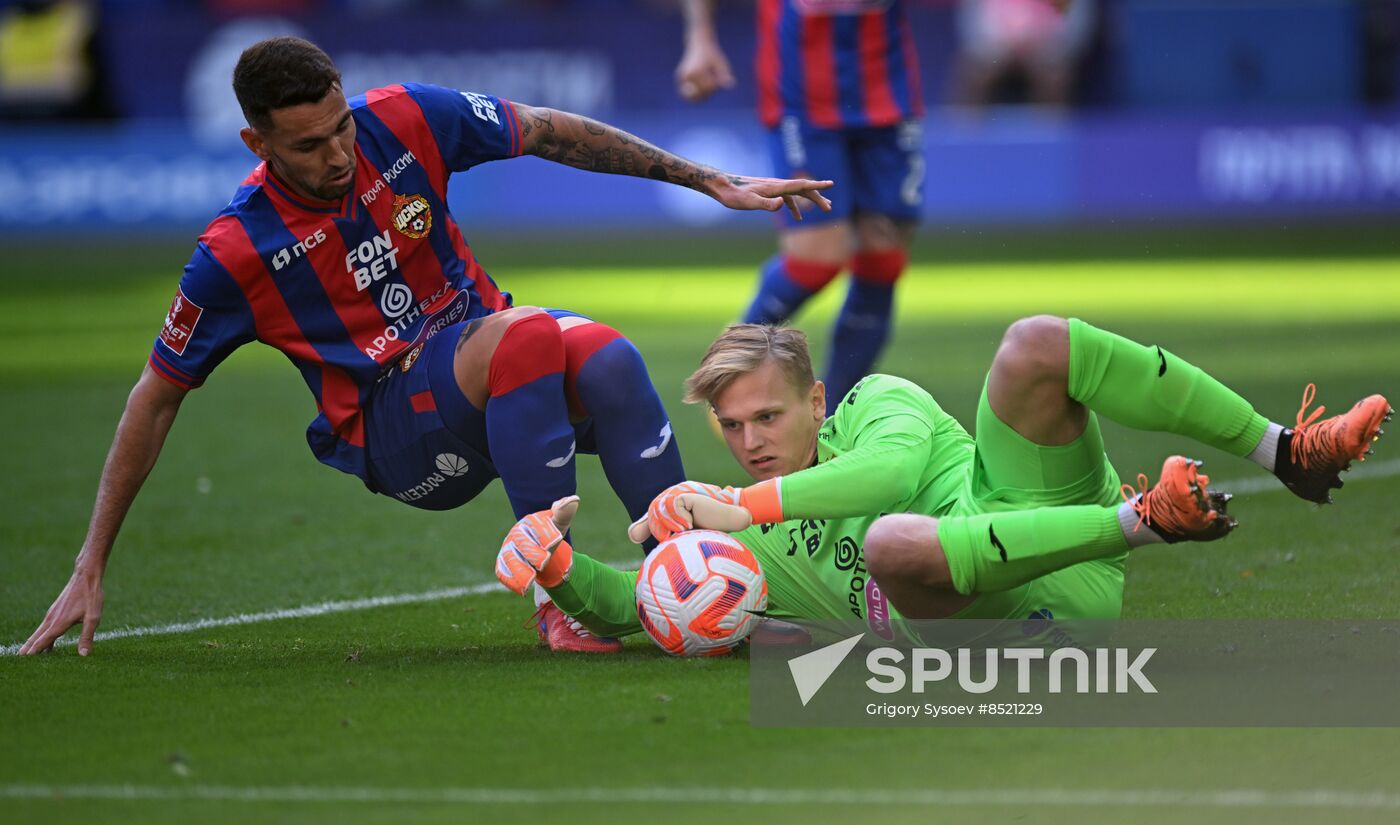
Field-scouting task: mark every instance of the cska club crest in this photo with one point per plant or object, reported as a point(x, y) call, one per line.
point(412, 215)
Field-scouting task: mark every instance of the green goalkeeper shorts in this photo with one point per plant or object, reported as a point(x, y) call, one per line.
point(1010, 472)
point(815, 571)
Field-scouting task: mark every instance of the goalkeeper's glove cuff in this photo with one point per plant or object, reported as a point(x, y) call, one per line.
point(764, 501)
point(556, 571)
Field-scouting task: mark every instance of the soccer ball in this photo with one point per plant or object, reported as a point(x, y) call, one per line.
point(697, 593)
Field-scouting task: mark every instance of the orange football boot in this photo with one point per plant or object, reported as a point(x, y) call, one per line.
point(1320, 451)
point(1179, 507)
point(564, 633)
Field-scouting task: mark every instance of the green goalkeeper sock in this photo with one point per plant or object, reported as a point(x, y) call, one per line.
point(1148, 388)
point(992, 552)
point(603, 598)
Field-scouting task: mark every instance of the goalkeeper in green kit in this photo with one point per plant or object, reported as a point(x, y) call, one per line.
point(889, 509)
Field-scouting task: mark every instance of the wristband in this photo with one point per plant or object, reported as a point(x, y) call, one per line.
point(764, 501)
point(557, 568)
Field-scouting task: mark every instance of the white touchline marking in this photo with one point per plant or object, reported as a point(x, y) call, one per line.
point(1242, 487)
point(1231, 798)
point(1361, 471)
point(302, 612)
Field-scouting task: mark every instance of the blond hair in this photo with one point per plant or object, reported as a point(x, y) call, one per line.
point(741, 349)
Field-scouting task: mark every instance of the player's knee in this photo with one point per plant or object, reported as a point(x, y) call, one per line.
point(1035, 349)
point(882, 233)
point(477, 343)
point(827, 244)
point(611, 378)
point(904, 548)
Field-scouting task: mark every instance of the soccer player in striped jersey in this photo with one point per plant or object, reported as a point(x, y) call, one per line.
point(339, 251)
point(838, 91)
point(889, 510)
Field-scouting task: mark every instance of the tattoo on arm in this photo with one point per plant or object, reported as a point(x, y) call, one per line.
point(583, 143)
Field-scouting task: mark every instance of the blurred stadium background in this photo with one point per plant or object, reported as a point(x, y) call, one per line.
point(1222, 176)
point(118, 117)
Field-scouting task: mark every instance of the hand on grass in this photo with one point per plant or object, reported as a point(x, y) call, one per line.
point(79, 603)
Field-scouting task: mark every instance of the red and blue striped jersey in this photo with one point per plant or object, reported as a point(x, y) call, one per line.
point(836, 64)
point(345, 289)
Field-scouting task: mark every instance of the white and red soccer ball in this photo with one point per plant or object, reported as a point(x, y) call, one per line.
point(698, 593)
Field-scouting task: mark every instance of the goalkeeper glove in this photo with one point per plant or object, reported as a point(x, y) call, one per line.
point(694, 505)
point(535, 548)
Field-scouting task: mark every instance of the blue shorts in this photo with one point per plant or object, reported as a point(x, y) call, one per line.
point(426, 442)
point(877, 170)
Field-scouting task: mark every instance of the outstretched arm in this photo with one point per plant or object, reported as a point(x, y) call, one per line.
point(881, 471)
point(889, 435)
point(150, 410)
point(584, 143)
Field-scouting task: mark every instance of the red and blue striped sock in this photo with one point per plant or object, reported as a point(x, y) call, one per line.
point(864, 323)
point(527, 419)
point(784, 285)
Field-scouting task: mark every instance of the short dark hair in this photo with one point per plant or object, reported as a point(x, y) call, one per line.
point(280, 72)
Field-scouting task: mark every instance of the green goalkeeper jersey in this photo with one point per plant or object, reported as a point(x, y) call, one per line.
point(889, 448)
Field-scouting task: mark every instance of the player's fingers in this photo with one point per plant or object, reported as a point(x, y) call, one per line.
point(28, 646)
point(819, 199)
point(45, 633)
point(639, 530)
point(519, 534)
point(513, 571)
point(665, 518)
point(524, 544)
point(792, 207)
point(718, 77)
point(43, 638)
point(541, 529)
point(670, 516)
point(85, 638)
point(696, 85)
point(716, 515)
point(700, 487)
point(563, 512)
point(662, 509)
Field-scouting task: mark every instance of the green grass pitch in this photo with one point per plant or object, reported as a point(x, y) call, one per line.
point(446, 710)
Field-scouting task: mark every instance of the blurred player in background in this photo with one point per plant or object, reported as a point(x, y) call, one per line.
point(838, 91)
point(1034, 43)
point(339, 251)
point(889, 509)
